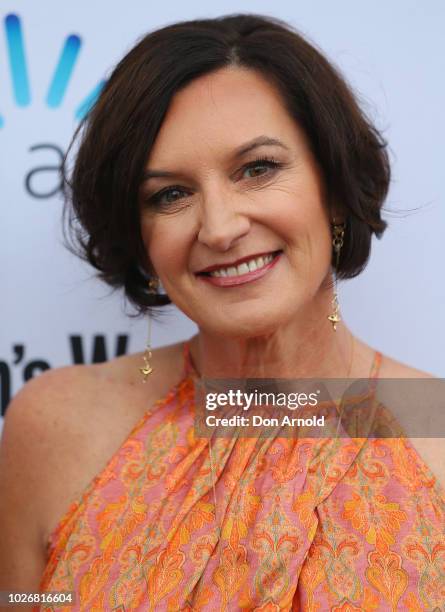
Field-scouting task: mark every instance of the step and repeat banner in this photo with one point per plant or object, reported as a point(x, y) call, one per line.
point(54, 59)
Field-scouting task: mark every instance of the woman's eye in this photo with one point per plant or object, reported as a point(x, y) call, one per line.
point(174, 194)
point(259, 168)
point(167, 196)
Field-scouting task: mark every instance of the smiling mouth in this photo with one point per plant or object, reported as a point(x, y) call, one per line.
point(250, 265)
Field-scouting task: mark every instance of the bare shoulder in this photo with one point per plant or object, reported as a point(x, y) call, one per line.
point(58, 400)
point(63, 426)
point(26, 447)
point(45, 397)
point(39, 415)
point(67, 393)
point(411, 401)
point(364, 360)
point(37, 423)
point(391, 368)
point(425, 400)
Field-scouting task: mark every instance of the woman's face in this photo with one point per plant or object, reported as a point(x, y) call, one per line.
point(233, 212)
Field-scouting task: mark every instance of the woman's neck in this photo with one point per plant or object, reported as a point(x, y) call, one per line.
point(292, 351)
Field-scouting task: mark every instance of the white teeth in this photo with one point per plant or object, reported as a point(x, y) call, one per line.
point(244, 268)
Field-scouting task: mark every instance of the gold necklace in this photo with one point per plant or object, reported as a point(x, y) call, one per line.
point(340, 409)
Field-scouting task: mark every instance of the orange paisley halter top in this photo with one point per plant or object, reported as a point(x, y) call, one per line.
point(143, 534)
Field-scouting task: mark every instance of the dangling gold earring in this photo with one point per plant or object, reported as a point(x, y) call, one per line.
point(337, 243)
point(146, 370)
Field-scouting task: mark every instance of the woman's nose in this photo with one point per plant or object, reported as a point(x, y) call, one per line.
point(222, 222)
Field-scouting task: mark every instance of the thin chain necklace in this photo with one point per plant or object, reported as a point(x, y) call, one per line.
point(340, 410)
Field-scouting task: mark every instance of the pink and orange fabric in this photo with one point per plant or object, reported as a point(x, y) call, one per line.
point(336, 525)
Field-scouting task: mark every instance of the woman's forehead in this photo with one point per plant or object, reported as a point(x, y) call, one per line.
point(217, 113)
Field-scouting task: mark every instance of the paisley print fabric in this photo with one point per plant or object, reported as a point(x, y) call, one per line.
point(336, 525)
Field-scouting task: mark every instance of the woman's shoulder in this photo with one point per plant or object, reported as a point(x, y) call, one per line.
point(44, 398)
point(39, 424)
point(372, 361)
point(83, 401)
point(58, 387)
point(392, 368)
point(429, 450)
point(74, 418)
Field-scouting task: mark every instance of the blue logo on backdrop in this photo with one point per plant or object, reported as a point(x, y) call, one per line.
point(58, 85)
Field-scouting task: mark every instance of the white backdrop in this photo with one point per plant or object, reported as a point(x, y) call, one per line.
point(392, 53)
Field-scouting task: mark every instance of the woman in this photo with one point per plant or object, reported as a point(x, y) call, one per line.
point(228, 162)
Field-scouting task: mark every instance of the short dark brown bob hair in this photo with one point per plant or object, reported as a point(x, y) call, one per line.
point(102, 191)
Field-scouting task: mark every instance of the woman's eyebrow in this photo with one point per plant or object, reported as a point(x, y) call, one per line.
point(243, 149)
point(260, 141)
